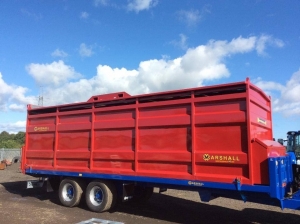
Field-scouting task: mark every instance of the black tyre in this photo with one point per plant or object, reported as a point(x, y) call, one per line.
point(100, 196)
point(70, 192)
point(142, 194)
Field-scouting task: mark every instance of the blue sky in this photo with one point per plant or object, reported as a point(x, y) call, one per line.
point(70, 50)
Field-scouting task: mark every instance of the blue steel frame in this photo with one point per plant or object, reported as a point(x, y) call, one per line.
point(281, 179)
point(280, 176)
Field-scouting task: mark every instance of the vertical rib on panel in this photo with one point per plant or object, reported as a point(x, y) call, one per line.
point(193, 129)
point(92, 138)
point(137, 115)
point(55, 139)
point(24, 151)
point(248, 106)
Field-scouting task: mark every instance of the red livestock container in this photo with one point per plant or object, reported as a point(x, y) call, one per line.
point(214, 134)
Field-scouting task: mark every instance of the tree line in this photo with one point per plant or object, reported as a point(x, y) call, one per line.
point(12, 141)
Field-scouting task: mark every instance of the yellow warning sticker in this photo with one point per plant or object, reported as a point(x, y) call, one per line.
point(261, 121)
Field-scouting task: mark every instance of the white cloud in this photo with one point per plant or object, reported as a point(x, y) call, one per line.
point(13, 127)
point(59, 53)
point(19, 95)
point(54, 74)
point(190, 17)
point(197, 66)
point(85, 51)
point(17, 107)
point(269, 85)
point(292, 90)
point(5, 91)
point(109, 3)
point(36, 16)
point(84, 15)
point(101, 2)
point(288, 100)
point(140, 5)
point(12, 94)
point(181, 43)
point(265, 40)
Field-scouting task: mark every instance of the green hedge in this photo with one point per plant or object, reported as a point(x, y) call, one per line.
point(12, 141)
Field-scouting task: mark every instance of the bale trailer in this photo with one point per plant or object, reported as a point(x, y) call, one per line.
point(216, 140)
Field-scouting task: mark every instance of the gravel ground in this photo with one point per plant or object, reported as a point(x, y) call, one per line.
point(21, 205)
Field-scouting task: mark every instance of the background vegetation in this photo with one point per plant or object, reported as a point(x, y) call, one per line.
point(12, 141)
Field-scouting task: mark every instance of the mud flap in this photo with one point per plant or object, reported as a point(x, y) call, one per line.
point(39, 184)
point(205, 196)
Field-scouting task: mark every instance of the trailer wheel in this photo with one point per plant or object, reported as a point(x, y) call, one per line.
point(70, 192)
point(142, 194)
point(100, 196)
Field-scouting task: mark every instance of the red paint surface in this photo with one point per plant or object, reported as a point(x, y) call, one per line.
point(216, 133)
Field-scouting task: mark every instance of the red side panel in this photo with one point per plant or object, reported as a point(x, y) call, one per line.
point(164, 140)
point(221, 140)
point(40, 138)
point(114, 146)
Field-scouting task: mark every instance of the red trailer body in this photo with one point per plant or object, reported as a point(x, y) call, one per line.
point(215, 140)
point(217, 134)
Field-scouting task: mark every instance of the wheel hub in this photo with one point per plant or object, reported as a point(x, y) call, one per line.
point(68, 192)
point(96, 196)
